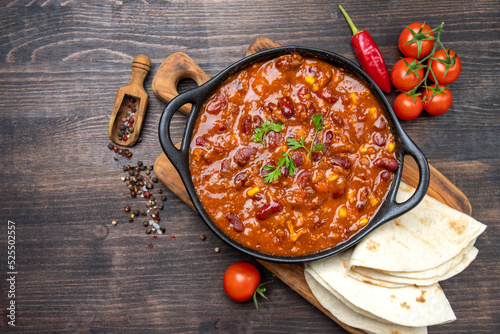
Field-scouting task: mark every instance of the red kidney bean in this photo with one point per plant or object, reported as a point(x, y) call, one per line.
point(378, 139)
point(298, 157)
point(225, 165)
point(246, 124)
point(257, 197)
point(274, 140)
point(385, 175)
point(328, 137)
point(286, 106)
point(216, 105)
point(390, 164)
point(237, 224)
point(257, 122)
point(337, 120)
point(338, 193)
point(243, 155)
point(302, 92)
point(327, 94)
point(241, 179)
point(380, 124)
point(303, 178)
point(361, 205)
point(316, 155)
point(222, 127)
point(311, 110)
point(201, 141)
point(337, 160)
point(268, 209)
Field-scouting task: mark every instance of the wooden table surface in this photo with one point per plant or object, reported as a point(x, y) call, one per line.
point(61, 63)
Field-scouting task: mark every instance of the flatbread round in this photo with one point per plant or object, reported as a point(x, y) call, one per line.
point(407, 306)
point(427, 244)
point(351, 318)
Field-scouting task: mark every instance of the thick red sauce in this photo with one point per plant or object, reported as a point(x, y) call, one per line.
point(338, 181)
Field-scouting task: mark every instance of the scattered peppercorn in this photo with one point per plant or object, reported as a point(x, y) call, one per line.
point(202, 237)
point(127, 208)
point(217, 249)
point(114, 222)
point(150, 246)
point(163, 198)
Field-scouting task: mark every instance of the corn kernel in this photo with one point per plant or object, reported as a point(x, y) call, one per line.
point(342, 212)
point(391, 147)
point(363, 221)
point(253, 191)
point(315, 88)
point(354, 98)
point(373, 112)
point(374, 200)
point(310, 79)
point(362, 149)
point(332, 176)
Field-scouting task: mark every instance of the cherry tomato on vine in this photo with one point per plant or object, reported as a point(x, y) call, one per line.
point(404, 74)
point(440, 102)
point(447, 68)
point(242, 281)
point(416, 40)
point(408, 107)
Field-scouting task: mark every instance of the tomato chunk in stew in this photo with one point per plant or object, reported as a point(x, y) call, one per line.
point(292, 156)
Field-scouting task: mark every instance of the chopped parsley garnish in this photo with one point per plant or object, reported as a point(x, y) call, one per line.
point(318, 125)
point(274, 171)
point(286, 160)
point(260, 133)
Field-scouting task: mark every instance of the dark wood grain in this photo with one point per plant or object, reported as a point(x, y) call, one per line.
point(61, 63)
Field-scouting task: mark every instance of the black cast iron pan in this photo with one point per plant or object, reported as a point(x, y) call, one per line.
point(390, 209)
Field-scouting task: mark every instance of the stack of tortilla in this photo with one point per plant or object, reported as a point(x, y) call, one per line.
point(389, 282)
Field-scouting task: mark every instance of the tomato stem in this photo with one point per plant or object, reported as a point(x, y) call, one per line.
point(423, 60)
point(351, 24)
point(260, 290)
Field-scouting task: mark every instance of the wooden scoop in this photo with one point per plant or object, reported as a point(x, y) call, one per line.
point(130, 105)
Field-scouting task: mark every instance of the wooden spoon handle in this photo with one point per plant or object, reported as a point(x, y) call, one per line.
point(176, 67)
point(140, 69)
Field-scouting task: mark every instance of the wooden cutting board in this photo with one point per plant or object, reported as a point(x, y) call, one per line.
point(179, 66)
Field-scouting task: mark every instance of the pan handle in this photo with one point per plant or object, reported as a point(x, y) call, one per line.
point(396, 209)
point(176, 156)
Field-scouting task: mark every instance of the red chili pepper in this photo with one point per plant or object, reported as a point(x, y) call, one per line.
point(369, 55)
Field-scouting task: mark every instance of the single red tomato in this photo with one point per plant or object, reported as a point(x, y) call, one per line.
point(241, 282)
point(407, 107)
point(404, 74)
point(416, 40)
point(447, 68)
point(440, 102)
